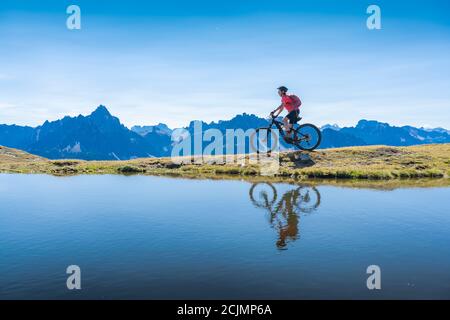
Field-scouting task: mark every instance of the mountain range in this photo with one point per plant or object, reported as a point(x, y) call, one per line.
point(101, 136)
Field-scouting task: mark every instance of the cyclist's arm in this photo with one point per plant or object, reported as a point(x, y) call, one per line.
point(278, 110)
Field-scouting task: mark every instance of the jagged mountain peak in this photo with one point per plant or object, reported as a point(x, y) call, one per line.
point(331, 126)
point(101, 113)
point(160, 128)
point(97, 136)
point(101, 110)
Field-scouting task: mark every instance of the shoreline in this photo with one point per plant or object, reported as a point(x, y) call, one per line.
point(381, 185)
point(368, 163)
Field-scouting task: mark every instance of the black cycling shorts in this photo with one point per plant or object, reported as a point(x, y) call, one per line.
point(293, 116)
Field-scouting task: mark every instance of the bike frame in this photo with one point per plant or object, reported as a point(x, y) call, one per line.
point(299, 137)
point(279, 126)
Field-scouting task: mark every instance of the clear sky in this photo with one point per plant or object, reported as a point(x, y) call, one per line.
point(175, 61)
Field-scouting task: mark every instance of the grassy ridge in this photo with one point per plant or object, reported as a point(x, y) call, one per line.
point(369, 163)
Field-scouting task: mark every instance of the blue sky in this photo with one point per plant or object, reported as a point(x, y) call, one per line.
point(175, 61)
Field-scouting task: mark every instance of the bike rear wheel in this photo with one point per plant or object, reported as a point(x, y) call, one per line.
point(307, 137)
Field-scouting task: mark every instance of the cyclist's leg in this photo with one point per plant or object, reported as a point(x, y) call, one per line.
point(287, 124)
point(297, 116)
point(292, 118)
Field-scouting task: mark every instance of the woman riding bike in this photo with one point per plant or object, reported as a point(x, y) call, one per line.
point(292, 104)
point(305, 136)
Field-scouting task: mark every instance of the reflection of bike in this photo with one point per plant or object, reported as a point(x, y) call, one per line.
point(307, 199)
point(284, 213)
point(305, 137)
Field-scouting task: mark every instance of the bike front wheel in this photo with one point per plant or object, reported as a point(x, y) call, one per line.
point(263, 140)
point(307, 137)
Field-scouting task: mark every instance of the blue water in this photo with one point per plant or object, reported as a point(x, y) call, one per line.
point(154, 238)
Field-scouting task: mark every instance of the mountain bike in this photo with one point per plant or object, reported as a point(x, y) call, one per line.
point(305, 136)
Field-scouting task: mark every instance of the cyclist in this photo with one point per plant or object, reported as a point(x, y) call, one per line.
point(292, 105)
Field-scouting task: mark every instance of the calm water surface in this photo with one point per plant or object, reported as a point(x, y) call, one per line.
point(155, 238)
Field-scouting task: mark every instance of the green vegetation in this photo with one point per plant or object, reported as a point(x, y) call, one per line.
point(353, 163)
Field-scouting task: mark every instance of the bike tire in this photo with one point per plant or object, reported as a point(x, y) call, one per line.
point(256, 149)
point(317, 133)
point(259, 203)
point(305, 207)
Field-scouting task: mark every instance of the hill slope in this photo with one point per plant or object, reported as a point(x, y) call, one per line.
point(368, 162)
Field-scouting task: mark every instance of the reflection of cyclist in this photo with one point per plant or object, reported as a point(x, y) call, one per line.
point(284, 214)
point(287, 218)
point(292, 105)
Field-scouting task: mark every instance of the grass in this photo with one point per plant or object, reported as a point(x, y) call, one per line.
point(352, 163)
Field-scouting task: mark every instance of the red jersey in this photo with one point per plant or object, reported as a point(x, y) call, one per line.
point(288, 103)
